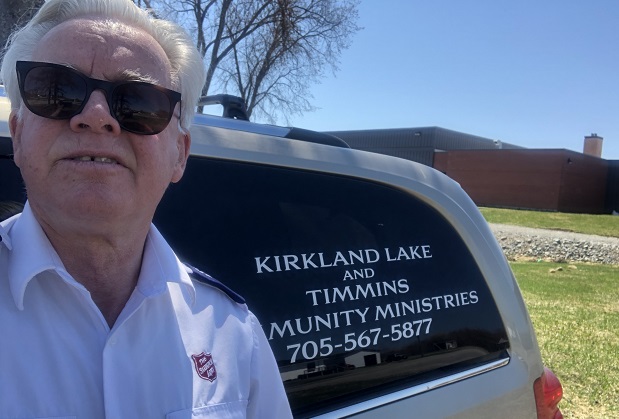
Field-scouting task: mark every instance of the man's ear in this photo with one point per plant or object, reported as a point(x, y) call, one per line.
point(183, 143)
point(15, 127)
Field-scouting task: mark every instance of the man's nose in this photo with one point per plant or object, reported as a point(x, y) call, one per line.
point(96, 116)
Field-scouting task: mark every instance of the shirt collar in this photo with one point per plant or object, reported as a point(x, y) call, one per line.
point(4, 237)
point(160, 266)
point(32, 253)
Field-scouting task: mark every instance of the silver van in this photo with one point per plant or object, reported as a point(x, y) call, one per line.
point(378, 283)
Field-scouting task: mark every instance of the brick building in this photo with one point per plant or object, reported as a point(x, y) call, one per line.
point(499, 174)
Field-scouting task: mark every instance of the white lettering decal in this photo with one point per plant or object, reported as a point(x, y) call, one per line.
point(291, 262)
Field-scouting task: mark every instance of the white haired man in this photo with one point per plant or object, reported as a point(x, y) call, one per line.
point(98, 317)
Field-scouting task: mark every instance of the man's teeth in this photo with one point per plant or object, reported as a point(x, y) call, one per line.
point(97, 159)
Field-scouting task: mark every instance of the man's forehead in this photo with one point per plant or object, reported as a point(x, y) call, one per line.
point(105, 48)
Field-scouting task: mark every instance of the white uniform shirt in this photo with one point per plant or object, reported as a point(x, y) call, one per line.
point(179, 349)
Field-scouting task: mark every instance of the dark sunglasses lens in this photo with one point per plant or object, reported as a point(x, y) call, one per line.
point(54, 92)
point(141, 108)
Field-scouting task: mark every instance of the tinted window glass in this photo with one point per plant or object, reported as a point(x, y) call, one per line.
point(11, 184)
point(361, 288)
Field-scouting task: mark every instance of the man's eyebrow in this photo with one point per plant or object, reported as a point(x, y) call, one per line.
point(125, 75)
point(132, 75)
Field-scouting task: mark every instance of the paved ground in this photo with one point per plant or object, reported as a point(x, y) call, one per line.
point(551, 234)
point(557, 246)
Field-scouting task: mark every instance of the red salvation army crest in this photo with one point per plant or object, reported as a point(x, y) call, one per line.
point(205, 367)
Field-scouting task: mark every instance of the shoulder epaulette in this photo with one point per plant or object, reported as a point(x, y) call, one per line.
point(205, 278)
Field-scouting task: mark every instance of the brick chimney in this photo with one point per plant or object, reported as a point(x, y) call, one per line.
point(593, 145)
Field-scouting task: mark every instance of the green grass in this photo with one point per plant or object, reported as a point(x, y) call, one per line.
point(575, 312)
point(603, 225)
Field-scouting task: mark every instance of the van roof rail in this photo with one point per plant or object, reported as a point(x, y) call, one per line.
point(234, 106)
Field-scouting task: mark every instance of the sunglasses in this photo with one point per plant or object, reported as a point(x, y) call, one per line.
point(56, 91)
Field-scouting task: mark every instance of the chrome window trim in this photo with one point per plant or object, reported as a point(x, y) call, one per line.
point(413, 391)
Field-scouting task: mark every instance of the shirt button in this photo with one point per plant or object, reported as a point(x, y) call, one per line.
point(113, 341)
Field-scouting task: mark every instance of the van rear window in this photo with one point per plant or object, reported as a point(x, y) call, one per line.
point(361, 288)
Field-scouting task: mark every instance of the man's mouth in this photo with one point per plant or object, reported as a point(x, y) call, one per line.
point(106, 160)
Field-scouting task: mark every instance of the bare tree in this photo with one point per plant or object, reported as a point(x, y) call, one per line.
point(274, 69)
point(143, 4)
point(269, 52)
point(218, 25)
point(14, 14)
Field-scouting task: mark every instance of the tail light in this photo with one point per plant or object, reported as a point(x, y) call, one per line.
point(548, 393)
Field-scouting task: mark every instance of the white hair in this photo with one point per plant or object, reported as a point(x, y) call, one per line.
point(187, 74)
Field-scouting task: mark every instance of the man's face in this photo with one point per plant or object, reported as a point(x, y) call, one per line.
point(124, 183)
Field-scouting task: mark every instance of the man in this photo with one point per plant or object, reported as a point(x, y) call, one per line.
point(98, 318)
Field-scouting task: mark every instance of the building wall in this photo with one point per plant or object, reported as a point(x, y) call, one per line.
point(583, 184)
point(499, 174)
point(612, 187)
point(554, 180)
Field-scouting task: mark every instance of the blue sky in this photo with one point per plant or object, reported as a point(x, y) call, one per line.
point(535, 73)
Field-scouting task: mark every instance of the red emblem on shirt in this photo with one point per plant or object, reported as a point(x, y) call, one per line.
point(205, 367)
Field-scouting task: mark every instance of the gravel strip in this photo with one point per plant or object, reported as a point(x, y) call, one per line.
point(557, 246)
